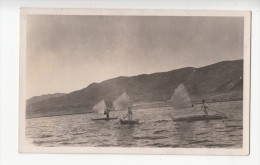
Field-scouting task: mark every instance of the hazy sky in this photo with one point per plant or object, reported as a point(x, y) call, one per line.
point(67, 53)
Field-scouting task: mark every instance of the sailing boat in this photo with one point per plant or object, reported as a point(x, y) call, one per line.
point(100, 108)
point(122, 103)
point(181, 100)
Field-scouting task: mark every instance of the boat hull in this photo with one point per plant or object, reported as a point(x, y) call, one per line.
point(112, 118)
point(129, 122)
point(200, 117)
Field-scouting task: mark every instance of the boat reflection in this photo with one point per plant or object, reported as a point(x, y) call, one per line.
point(124, 135)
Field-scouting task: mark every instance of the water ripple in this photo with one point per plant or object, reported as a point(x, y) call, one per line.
point(155, 130)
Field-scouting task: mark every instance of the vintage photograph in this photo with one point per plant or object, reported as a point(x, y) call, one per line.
point(134, 81)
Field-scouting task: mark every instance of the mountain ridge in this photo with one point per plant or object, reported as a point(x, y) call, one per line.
point(219, 78)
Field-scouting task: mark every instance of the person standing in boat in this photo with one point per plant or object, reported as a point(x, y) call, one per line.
point(107, 112)
point(130, 113)
point(205, 107)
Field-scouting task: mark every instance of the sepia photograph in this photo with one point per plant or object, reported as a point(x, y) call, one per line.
point(134, 81)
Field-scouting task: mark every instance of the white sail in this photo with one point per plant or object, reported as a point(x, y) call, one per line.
point(180, 98)
point(100, 107)
point(121, 103)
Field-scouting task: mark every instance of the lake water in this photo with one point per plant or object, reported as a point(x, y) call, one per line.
point(156, 129)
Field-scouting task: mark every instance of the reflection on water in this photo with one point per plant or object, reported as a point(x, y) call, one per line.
point(156, 129)
point(124, 134)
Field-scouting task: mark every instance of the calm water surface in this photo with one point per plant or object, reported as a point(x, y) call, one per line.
point(156, 129)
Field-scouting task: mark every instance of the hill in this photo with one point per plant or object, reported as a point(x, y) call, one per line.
point(36, 99)
point(217, 81)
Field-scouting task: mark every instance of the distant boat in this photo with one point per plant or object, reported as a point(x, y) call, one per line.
point(181, 100)
point(199, 117)
point(129, 122)
point(121, 104)
point(111, 118)
point(100, 108)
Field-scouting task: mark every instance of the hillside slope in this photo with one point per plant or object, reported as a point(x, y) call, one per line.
point(217, 79)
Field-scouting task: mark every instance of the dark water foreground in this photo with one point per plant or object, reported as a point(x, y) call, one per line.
point(156, 129)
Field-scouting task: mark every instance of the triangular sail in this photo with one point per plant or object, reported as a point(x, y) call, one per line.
point(121, 103)
point(100, 107)
point(181, 99)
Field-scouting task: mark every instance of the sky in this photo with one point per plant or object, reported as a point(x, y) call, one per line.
point(67, 53)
